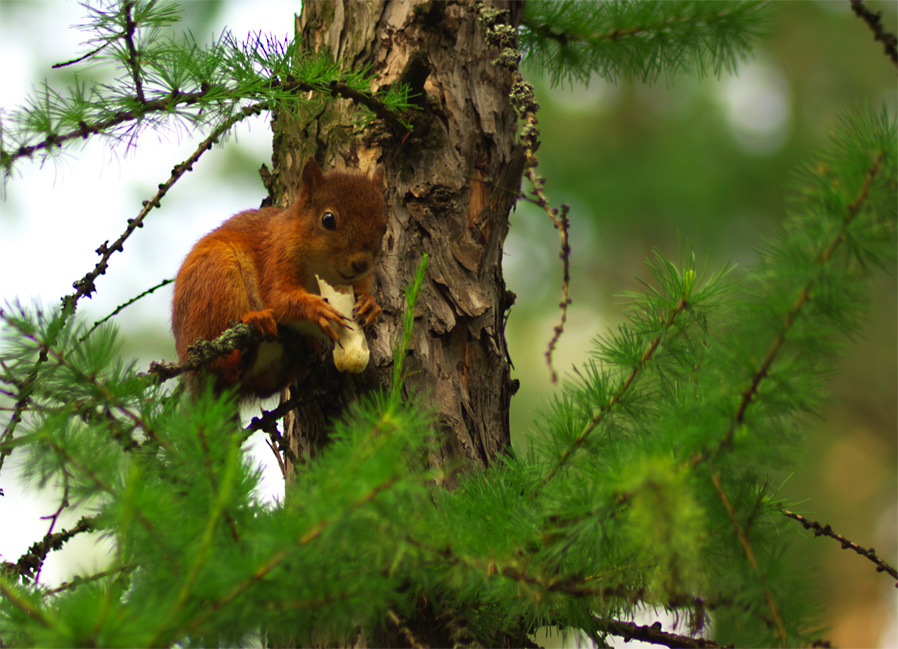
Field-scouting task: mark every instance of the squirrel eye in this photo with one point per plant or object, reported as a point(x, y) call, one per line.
point(329, 221)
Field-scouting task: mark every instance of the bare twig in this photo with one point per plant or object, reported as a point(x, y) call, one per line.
point(85, 286)
point(268, 423)
point(54, 517)
point(29, 564)
point(122, 307)
point(503, 36)
point(826, 530)
point(652, 633)
point(84, 57)
point(203, 352)
point(874, 22)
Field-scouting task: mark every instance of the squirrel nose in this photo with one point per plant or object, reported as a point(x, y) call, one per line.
point(360, 265)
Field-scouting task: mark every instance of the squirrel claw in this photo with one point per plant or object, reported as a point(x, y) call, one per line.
point(366, 310)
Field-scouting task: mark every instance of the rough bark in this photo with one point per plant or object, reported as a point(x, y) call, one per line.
point(449, 185)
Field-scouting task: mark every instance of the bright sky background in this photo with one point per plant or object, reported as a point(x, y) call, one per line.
point(53, 218)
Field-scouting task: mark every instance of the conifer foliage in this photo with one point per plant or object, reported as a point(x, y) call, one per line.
point(645, 483)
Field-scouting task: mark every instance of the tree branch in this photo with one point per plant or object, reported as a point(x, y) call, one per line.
point(122, 307)
point(503, 36)
point(203, 352)
point(85, 286)
point(338, 88)
point(29, 564)
point(47, 345)
point(167, 104)
point(79, 580)
point(133, 59)
point(826, 530)
point(874, 22)
point(652, 30)
point(178, 99)
point(653, 634)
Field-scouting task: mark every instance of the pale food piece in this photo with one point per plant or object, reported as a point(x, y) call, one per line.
point(351, 351)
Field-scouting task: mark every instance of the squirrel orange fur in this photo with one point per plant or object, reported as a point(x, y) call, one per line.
point(259, 267)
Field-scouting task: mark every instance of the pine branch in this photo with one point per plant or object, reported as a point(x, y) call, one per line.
point(26, 386)
point(750, 555)
point(83, 469)
point(826, 530)
point(398, 127)
point(157, 70)
point(824, 257)
point(282, 555)
point(101, 126)
point(874, 22)
point(616, 398)
point(104, 395)
point(203, 555)
point(280, 91)
point(208, 464)
point(37, 613)
point(637, 40)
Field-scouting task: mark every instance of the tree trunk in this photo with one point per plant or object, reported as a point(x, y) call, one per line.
point(449, 185)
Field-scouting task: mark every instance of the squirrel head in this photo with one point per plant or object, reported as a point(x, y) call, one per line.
point(342, 220)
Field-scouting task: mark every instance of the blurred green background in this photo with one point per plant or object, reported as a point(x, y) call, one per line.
point(687, 163)
point(709, 164)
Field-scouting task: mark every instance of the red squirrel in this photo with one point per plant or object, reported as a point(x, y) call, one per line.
point(259, 267)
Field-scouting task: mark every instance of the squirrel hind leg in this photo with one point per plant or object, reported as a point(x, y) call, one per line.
point(212, 289)
point(229, 368)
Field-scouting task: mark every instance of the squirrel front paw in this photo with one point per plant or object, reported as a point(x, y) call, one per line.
point(323, 314)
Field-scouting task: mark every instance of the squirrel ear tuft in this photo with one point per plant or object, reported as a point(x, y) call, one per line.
point(378, 176)
point(312, 176)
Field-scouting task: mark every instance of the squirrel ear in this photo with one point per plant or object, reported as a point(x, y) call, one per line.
point(312, 176)
point(378, 176)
